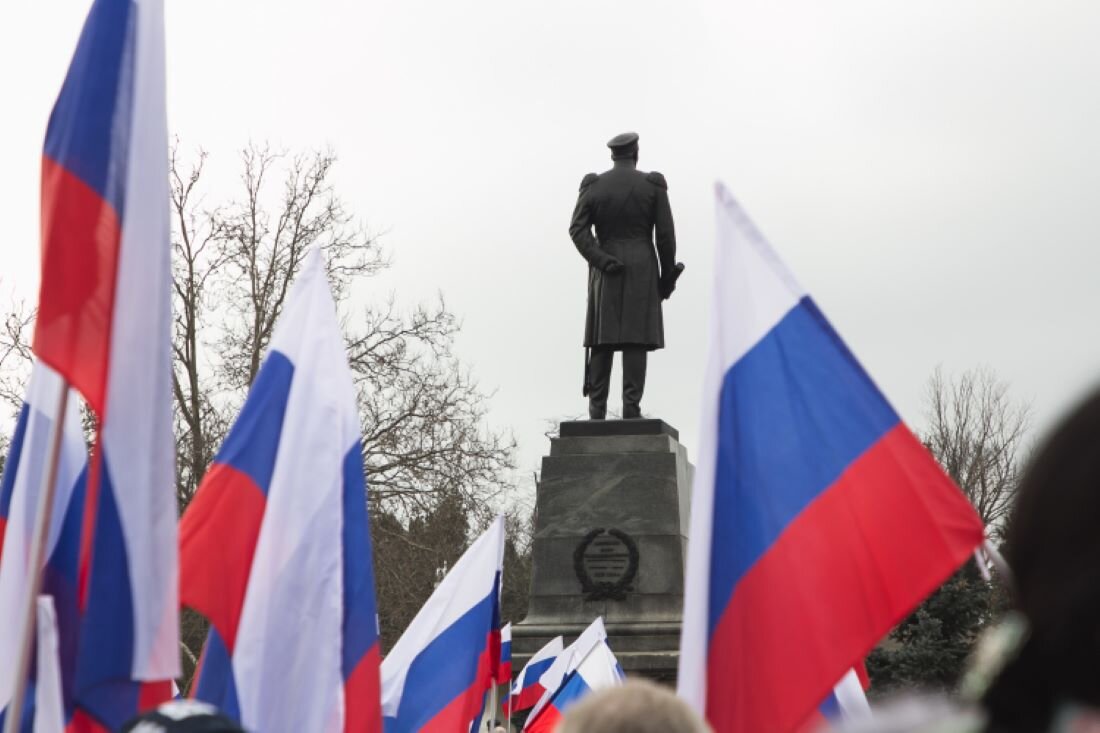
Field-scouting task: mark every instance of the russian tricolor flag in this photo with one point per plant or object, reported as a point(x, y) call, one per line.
point(20, 488)
point(504, 671)
point(527, 691)
point(566, 663)
point(275, 549)
point(598, 669)
point(818, 520)
point(104, 324)
point(435, 677)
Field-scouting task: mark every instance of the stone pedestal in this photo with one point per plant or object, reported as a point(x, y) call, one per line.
point(610, 538)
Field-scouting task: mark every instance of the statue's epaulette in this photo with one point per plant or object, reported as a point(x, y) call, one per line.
point(588, 180)
point(657, 179)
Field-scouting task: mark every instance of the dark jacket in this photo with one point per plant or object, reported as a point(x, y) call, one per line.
point(627, 208)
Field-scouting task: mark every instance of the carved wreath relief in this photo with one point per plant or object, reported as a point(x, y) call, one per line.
point(606, 562)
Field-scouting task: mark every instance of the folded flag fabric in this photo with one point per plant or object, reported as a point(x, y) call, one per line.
point(435, 677)
point(20, 487)
point(49, 705)
point(275, 549)
point(847, 701)
point(527, 691)
point(818, 519)
point(555, 675)
point(105, 324)
point(598, 669)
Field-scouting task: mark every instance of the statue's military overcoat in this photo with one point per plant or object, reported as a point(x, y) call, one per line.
point(633, 221)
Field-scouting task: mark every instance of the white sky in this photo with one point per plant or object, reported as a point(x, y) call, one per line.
point(930, 169)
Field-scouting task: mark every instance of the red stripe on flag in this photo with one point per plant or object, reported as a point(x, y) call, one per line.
point(363, 694)
point(81, 722)
point(864, 678)
point(152, 694)
point(528, 697)
point(218, 535)
point(81, 236)
point(546, 722)
point(843, 573)
point(3, 529)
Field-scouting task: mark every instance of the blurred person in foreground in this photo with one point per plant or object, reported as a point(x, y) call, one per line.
point(637, 706)
point(1051, 678)
point(182, 716)
point(1038, 670)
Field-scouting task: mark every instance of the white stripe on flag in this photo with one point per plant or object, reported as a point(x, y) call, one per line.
point(49, 706)
point(138, 443)
point(752, 291)
point(299, 544)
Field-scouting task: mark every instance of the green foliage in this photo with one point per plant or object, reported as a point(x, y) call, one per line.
point(411, 559)
point(930, 648)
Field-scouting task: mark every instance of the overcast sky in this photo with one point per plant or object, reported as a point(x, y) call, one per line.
point(930, 170)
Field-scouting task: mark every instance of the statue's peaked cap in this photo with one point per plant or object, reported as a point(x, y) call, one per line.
point(623, 140)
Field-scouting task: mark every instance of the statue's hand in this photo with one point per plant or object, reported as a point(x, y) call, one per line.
point(612, 266)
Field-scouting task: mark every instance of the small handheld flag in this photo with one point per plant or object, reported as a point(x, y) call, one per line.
point(555, 675)
point(436, 676)
point(527, 691)
point(598, 669)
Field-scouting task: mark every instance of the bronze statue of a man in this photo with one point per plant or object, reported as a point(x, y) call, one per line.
point(632, 268)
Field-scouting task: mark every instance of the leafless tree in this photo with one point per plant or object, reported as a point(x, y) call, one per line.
point(977, 432)
point(424, 427)
point(15, 354)
point(435, 468)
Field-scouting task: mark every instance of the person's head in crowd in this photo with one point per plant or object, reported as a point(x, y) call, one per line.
point(638, 706)
point(1052, 545)
point(182, 716)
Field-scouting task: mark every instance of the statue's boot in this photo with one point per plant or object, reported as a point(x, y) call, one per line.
point(634, 368)
point(599, 367)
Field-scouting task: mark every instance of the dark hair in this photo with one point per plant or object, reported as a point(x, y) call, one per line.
point(1053, 547)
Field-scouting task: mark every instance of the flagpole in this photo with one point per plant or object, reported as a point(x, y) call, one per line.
point(34, 564)
point(508, 718)
point(493, 701)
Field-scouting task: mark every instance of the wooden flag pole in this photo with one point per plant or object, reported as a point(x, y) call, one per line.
point(493, 702)
point(34, 564)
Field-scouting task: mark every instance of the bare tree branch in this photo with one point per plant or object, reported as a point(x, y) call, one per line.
point(977, 433)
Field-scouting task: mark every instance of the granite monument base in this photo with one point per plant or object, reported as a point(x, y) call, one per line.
point(610, 540)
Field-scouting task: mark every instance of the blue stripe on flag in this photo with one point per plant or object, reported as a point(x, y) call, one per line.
point(360, 614)
point(571, 692)
point(534, 671)
point(216, 683)
point(89, 128)
point(11, 462)
point(253, 441)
